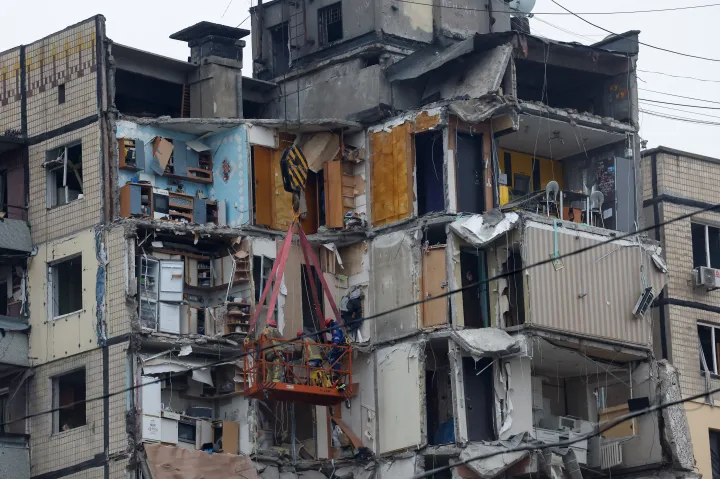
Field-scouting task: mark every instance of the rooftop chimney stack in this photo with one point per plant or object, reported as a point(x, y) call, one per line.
point(216, 85)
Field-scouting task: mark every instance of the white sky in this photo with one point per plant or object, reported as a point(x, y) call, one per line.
point(147, 25)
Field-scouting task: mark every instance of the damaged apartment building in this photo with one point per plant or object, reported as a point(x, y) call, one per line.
point(144, 213)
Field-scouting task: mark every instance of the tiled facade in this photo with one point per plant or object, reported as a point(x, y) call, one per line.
point(689, 184)
point(49, 223)
point(66, 58)
point(117, 316)
point(55, 450)
point(693, 179)
point(10, 99)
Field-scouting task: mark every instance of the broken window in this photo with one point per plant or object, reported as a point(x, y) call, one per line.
point(429, 172)
point(3, 192)
point(709, 337)
point(64, 175)
point(66, 286)
point(145, 96)
point(330, 24)
point(473, 268)
point(69, 397)
point(706, 245)
point(279, 38)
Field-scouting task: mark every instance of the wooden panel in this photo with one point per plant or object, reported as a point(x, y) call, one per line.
point(434, 313)
point(231, 437)
point(425, 122)
point(282, 210)
point(392, 175)
point(262, 158)
point(333, 195)
point(621, 430)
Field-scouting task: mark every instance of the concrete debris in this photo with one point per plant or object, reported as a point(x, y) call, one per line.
point(676, 431)
point(311, 475)
point(477, 232)
point(484, 342)
point(492, 466)
point(270, 472)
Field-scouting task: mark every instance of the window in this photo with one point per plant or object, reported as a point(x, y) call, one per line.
point(3, 192)
point(715, 453)
point(330, 24)
point(706, 245)
point(65, 283)
point(69, 398)
point(61, 94)
point(64, 175)
point(709, 337)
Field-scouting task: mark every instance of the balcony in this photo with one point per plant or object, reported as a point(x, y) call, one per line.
point(590, 295)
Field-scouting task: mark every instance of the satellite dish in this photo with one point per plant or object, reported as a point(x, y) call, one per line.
point(521, 7)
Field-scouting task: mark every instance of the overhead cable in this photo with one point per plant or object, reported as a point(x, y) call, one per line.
point(626, 12)
point(582, 437)
point(377, 315)
point(638, 41)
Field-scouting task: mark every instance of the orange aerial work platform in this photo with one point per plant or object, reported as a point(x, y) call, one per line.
point(279, 369)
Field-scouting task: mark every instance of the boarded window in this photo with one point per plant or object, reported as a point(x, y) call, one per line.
point(392, 175)
point(273, 205)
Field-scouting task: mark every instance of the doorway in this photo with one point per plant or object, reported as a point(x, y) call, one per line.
point(473, 268)
point(429, 170)
point(470, 174)
point(479, 399)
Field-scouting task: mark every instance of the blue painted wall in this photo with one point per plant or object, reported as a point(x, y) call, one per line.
point(230, 145)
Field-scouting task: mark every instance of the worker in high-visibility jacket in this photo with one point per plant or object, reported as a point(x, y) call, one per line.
point(273, 356)
point(311, 354)
point(337, 338)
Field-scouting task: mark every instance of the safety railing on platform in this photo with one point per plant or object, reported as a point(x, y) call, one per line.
point(299, 361)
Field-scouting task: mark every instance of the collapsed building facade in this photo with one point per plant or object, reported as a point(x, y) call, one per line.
point(147, 211)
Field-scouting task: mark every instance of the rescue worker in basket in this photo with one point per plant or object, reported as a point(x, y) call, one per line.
point(337, 338)
point(309, 353)
point(273, 371)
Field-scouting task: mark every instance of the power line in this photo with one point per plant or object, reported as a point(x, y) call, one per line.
point(599, 430)
point(638, 41)
point(375, 316)
point(679, 76)
point(680, 96)
point(226, 9)
point(681, 104)
point(656, 10)
point(683, 111)
point(246, 19)
point(679, 118)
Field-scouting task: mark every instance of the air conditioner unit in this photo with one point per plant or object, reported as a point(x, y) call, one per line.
point(644, 302)
point(560, 423)
point(708, 278)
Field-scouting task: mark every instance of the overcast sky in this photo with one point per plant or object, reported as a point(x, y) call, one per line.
point(146, 24)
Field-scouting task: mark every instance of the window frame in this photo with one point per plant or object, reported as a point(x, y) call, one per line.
point(52, 166)
point(323, 39)
point(55, 397)
point(53, 283)
point(712, 368)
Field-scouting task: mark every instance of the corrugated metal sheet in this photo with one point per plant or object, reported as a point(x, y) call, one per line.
point(595, 291)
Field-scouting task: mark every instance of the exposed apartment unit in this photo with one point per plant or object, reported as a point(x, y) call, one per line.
point(444, 151)
point(679, 183)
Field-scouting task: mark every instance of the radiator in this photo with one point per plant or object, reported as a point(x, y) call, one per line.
point(610, 455)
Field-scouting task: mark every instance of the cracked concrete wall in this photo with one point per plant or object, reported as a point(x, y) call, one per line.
point(676, 431)
point(361, 417)
point(394, 281)
point(401, 420)
point(401, 466)
point(337, 91)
